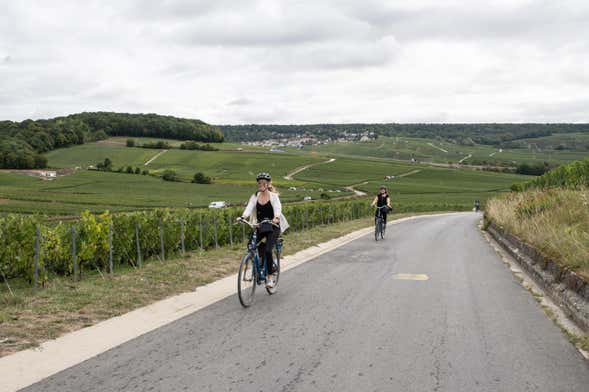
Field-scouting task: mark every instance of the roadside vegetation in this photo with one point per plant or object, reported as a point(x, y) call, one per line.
point(552, 214)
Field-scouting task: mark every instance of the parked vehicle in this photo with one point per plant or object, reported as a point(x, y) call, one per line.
point(218, 204)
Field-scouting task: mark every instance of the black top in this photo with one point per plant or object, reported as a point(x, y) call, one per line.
point(382, 200)
point(264, 211)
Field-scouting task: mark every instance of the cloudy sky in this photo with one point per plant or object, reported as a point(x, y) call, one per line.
point(270, 61)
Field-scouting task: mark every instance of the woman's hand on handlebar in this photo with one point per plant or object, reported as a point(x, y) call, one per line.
point(268, 221)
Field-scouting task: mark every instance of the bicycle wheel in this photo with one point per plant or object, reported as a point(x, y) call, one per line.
point(276, 275)
point(382, 228)
point(246, 281)
point(377, 229)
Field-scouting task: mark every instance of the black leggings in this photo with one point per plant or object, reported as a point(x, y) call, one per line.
point(265, 249)
point(383, 213)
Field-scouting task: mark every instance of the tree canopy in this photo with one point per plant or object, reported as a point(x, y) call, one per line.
point(22, 143)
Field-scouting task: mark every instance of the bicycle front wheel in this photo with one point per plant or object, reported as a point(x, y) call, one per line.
point(377, 229)
point(246, 280)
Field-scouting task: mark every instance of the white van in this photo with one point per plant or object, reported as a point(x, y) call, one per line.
point(218, 204)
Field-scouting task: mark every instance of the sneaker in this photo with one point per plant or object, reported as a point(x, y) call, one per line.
point(269, 283)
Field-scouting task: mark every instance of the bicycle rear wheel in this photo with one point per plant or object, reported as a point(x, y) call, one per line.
point(275, 276)
point(246, 280)
point(383, 228)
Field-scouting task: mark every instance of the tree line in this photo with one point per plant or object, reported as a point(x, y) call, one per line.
point(22, 143)
point(465, 134)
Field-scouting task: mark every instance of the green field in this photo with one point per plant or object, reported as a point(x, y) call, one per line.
point(90, 154)
point(413, 183)
point(98, 191)
point(350, 171)
point(233, 172)
point(439, 151)
point(231, 167)
point(436, 185)
point(567, 141)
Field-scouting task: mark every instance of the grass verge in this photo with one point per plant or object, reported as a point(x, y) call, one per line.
point(28, 318)
point(555, 221)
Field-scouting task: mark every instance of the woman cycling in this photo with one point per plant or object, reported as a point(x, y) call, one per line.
point(265, 205)
point(382, 199)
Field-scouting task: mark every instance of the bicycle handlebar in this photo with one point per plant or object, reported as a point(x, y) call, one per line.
point(244, 221)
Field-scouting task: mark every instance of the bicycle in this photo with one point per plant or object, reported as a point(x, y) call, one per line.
point(251, 274)
point(379, 226)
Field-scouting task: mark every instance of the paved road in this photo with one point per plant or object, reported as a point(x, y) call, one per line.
point(343, 323)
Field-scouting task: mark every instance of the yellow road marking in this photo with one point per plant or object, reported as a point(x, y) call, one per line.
point(410, 277)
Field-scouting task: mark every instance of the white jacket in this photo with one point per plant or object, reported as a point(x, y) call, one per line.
point(276, 206)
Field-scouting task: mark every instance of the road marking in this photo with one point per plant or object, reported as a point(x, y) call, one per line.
point(411, 277)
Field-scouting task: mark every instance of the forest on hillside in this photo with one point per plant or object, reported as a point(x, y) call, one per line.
point(465, 134)
point(22, 143)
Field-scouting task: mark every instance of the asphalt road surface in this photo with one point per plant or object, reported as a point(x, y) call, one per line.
point(346, 322)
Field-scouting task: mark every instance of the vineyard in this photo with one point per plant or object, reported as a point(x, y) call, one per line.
point(572, 176)
point(34, 249)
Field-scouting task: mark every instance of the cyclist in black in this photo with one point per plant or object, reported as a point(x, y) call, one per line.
point(265, 204)
point(381, 199)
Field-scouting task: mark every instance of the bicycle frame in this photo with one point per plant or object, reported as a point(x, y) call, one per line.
point(379, 212)
point(252, 248)
point(379, 226)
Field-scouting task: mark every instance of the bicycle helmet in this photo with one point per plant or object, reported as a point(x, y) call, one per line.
point(264, 176)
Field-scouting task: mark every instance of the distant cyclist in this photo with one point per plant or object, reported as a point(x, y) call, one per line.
point(266, 205)
point(477, 205)
point(382, 199)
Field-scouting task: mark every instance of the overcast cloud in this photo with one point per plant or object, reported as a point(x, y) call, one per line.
point(233, 62)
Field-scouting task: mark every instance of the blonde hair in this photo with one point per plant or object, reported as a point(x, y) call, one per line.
point(272, 188)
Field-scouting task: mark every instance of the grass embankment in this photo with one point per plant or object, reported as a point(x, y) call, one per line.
point(29, 318)
point(554, 221)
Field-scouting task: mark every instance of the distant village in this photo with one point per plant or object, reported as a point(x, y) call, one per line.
point(299, 141)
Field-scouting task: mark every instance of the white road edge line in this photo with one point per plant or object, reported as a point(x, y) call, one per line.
point(27, 367)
